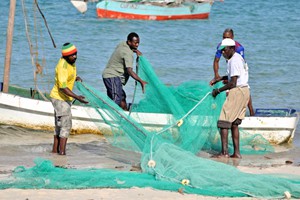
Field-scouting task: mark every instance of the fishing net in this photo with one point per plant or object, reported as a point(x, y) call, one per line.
point(210, 178)
point(185, 116)
point(168, 126)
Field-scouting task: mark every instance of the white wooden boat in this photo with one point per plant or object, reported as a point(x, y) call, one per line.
point(38, 114)
point(80, 5)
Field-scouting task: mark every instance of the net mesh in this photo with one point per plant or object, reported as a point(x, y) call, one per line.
point(169, 126)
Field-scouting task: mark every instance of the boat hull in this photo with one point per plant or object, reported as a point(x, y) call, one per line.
point(38, 114)
point(81, 6)
point(140, 11)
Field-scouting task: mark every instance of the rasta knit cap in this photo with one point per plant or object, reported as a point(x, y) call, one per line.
point(68, 49)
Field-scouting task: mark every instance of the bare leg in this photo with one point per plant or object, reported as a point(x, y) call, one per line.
point(236, 141)
point(55, 148)
point(62, 146)
point(124, 105)
point(224, 141)
point(250, 107)
point(224, 144)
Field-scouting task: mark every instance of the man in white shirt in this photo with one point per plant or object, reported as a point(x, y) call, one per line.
point(235, 105)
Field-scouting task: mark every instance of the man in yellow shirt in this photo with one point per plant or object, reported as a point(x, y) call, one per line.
point(62, 97)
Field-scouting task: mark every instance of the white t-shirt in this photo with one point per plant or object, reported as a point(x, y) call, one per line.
point(236, 66)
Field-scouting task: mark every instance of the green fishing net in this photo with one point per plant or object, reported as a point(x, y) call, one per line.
point(206, 177)
point(168, 126)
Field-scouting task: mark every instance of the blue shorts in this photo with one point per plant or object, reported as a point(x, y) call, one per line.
point(114, 89)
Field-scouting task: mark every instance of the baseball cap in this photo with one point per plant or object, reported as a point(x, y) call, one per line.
point(226, 42)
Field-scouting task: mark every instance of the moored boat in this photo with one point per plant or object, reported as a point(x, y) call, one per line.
point(153, 10)
point(277, 126)
point(81, 6)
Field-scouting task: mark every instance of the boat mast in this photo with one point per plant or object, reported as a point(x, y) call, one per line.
point(9, 38)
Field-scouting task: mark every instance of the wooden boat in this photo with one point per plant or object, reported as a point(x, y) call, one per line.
point(32, 113)
point(81, 6)
point(153, 10)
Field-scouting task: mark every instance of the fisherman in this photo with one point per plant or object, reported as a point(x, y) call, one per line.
point(228, 33)
point(120, 67)
point(62, 97)
point(234, 107)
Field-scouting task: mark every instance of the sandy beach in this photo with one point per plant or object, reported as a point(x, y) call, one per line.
point(86, 151)
point(101, 194)
point(93, 194)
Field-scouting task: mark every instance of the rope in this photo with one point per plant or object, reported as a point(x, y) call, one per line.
point(27, 35)
point(36, 3)
point(175, 124)
point(134, 93)
point(41, 93)
point(189, 112)
point(37, 68)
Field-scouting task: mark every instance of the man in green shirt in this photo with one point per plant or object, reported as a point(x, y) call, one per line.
point(120, 67)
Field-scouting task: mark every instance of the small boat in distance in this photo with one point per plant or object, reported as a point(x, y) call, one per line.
point(154, 9)
point(80, 5)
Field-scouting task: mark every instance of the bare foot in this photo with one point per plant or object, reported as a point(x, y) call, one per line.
point(236, 156)
point(221, 156)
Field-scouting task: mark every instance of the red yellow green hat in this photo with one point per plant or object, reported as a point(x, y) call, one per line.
point(68, 49)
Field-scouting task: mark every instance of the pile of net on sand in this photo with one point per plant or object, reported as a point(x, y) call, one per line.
point(168, 126)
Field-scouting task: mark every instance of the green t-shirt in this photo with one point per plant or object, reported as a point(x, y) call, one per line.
point(121, 59)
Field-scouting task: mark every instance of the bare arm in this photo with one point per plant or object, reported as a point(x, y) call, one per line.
point(69, 93)
point(217, 77)
point(228, 86)
point(136, 77)
point(220, 78)
point(216, 67)
point(138, 53)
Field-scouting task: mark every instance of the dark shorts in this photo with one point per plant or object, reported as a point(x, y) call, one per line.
point(114, 89)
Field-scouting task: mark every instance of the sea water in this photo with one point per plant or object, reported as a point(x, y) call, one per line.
point(179, 51)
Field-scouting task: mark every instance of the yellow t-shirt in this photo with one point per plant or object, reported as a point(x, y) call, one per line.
point(65, 75)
